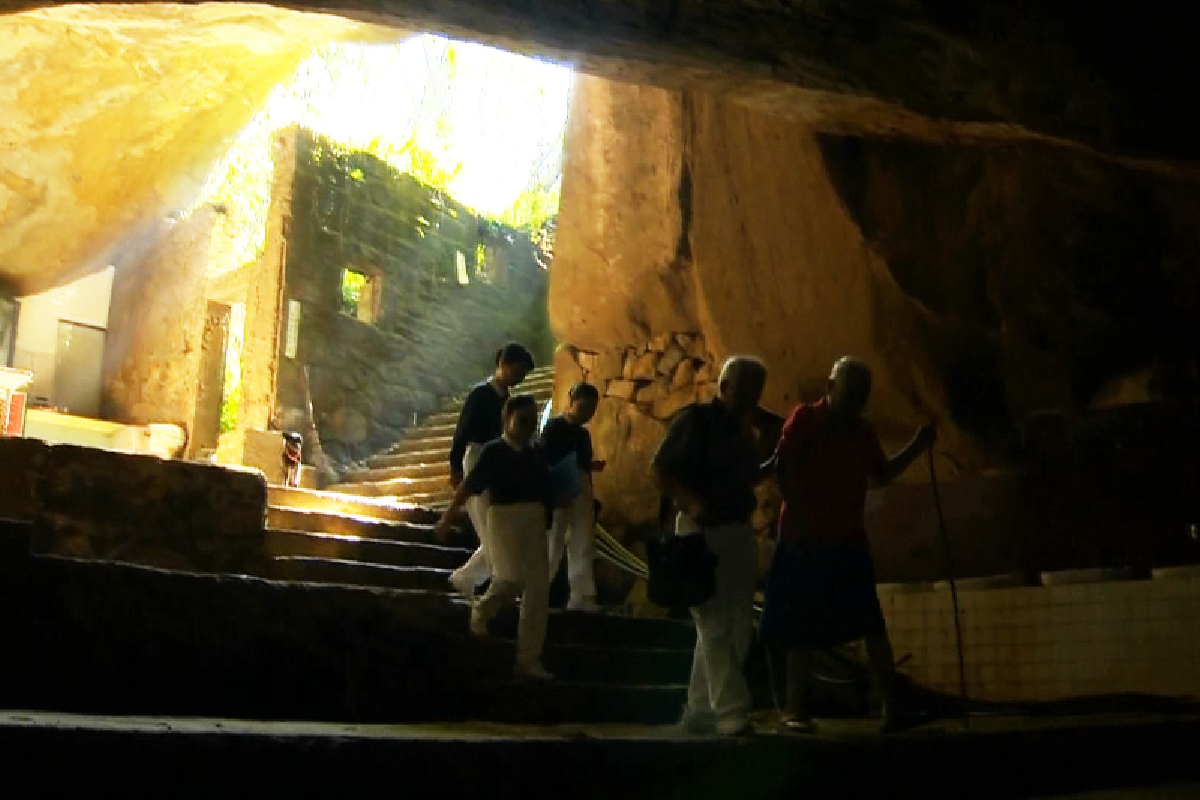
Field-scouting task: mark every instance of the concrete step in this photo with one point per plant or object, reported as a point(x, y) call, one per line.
point(1135, 758)
point(625, 666)
point(421, 432)
point(353, 548)
point(435, 495)
point(435, 469)
point(309, 569)
point(398, 487)
point(575, 628)
point(295, 520)
point(438, 444)
point(448, 416)
point(561, 702)
point(337, 502)
point(431, 456)
point(124, 639)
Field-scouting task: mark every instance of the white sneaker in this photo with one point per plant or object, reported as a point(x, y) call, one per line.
point(534, 671)
point(587, 604)
point(478, 625)
point(463, 586)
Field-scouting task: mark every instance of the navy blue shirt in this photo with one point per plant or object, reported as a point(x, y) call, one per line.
point(707, 452)
point(511, 476)
point(479, 422)
point(561, 437)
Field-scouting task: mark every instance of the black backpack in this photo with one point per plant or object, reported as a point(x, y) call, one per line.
point(681, 569)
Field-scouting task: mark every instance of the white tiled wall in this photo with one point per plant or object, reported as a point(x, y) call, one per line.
point(1044, 643)
point(85, 302)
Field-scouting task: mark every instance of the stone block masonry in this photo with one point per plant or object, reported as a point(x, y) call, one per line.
point(642, 387)
point(413, 333)
point(99, 504)
point(659, 377)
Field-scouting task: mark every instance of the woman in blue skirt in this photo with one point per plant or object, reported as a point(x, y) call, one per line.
point(821, 586)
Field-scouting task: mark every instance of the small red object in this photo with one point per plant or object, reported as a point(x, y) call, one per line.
point(14, 419)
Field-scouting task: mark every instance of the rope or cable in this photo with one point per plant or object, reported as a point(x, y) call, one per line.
point(962, 670)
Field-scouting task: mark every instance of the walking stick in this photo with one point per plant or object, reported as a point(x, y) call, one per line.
point(962, 670)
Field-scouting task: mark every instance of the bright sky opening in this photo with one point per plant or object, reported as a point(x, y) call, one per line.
point(499, 115)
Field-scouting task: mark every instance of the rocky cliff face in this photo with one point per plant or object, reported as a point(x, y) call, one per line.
point(986, 284)
point(112, 116)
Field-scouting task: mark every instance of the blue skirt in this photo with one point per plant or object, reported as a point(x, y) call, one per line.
point(820, 597)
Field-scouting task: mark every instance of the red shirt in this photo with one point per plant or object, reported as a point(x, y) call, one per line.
point(829, 468)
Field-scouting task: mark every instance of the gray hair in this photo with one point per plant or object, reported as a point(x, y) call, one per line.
point(738, 368)
point(850, 371)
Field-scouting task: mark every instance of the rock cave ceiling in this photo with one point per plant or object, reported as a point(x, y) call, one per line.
point(112, 114)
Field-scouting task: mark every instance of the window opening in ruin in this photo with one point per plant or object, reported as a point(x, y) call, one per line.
point(460, 268)
point(360, 295)
point(481, 270)
point(78, 361)
point(8, 330)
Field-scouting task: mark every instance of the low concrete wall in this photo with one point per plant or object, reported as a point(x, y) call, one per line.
point(1053, 642)
point(100, 504)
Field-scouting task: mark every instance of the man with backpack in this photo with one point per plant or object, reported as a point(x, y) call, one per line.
point(708, 464)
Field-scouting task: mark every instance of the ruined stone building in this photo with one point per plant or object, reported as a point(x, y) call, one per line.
point(374, 297)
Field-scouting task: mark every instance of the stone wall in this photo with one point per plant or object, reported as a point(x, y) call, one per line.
point(258, 286)
point(1045, 643)
point(985, 285)
point(99, 504)
point(156, 320)
point(642, 388)
point(430, 336)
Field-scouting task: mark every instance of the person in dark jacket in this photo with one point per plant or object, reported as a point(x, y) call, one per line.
point(479, 422)
point(708, 464)
point(574, 527)
point(516, 475)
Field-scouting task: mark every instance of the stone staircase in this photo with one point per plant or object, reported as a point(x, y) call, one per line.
point(610, 668)
point(417, 468)
point(347, 625)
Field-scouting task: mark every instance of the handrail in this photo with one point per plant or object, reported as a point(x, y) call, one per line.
point(617, 554)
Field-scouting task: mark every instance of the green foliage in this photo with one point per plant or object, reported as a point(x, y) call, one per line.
point(242, 183)
point(230, 403)
point(419, 162)
point(423, 146)
point(533, 206)
point(231, 390)
point(352, 286)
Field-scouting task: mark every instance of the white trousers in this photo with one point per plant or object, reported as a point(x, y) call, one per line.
point(479, 566)
point(724, 624)
point(574, 530)
point(517, 549)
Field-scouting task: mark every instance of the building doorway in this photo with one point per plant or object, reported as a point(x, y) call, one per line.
point(206, 428)
point(78, 368)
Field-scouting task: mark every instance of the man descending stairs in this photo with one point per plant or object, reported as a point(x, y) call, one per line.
point(417, 468)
